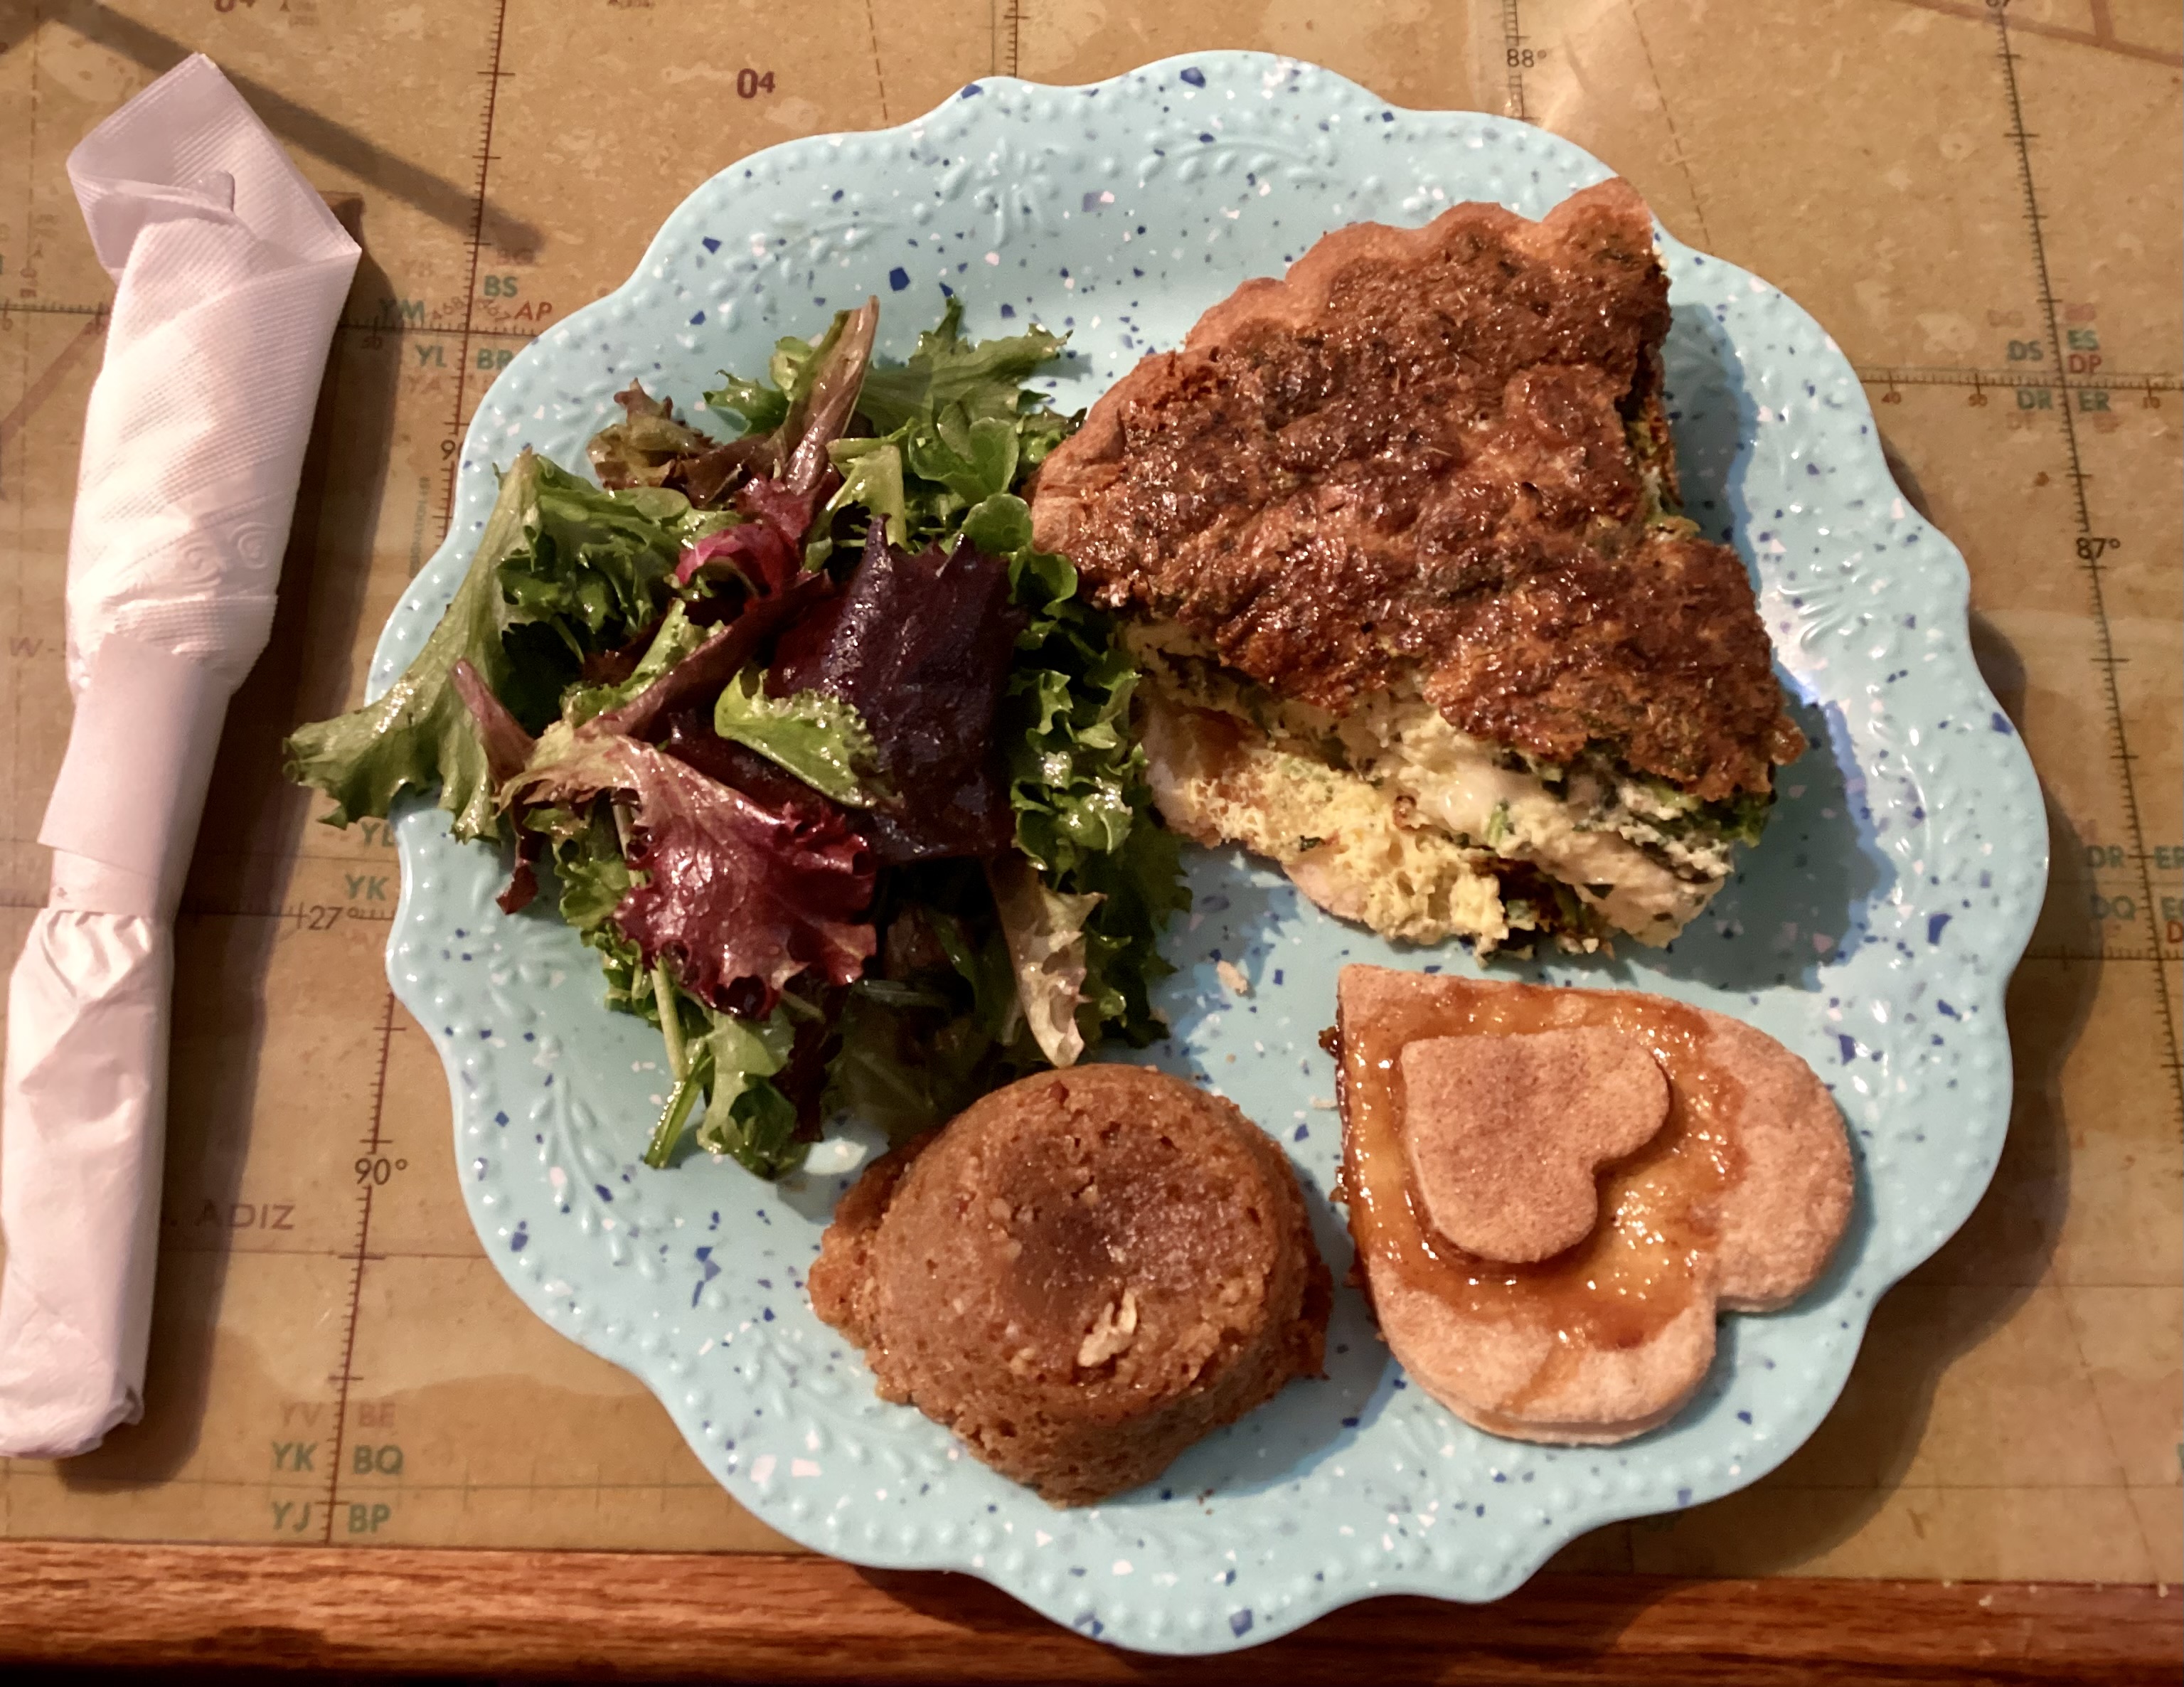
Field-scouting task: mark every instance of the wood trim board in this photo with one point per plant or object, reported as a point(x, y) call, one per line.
point(783, 1617)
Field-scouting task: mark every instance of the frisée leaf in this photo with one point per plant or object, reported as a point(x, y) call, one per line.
point(1077, 784)
point(1045, 930)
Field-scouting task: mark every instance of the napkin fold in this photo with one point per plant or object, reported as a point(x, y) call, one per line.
point(230, 275)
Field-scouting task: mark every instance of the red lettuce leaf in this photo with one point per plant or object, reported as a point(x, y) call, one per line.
point(737, 897)
point(778, 507)
point(920, 647)
point(756, 552)
point(784, 504)
point(650, 446)
point(522, 886)
point(507, 746)
point(775, 506)
point(819, 411)
point(686, 733)
point(727, 648)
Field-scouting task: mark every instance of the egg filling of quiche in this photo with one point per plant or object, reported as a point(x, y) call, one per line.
point(1390, 815)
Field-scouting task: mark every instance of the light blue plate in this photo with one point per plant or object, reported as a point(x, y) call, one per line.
point(1873, 931)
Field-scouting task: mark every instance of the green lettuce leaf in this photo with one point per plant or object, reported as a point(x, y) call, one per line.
point(953, 429)
point(562, 570)
point(588, 860)
point(597, 566)
point(746, 1116)
point(725, 1059)
point(872, 477)
point(904, 1068)
point(1076, 781)
point(820, 739)
point(1000, 526)
point(939, 1025)
point(975, 457)
point(1139, 885)
point(760, 405)
point(986, 377)
point(420, 734)
point(791, 373)
point(586, 853)
point(677, 636)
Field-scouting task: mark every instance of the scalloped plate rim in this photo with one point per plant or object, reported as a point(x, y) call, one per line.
point(420, 830)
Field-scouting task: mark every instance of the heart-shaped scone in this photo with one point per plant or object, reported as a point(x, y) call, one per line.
point(1506, 1135)
point(1735, 1202)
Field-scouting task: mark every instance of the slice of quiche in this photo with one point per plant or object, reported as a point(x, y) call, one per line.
point(1398, 542)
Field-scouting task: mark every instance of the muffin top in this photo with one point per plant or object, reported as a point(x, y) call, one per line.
point(1096, 1238)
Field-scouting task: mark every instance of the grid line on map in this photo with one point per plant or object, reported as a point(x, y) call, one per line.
point(1006, 16)
point(451, 449)
point(2091, 549)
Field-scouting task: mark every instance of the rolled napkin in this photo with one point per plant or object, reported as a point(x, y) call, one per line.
point(230, 275)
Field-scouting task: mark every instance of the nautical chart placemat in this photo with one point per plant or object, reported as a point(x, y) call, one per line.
point(1980, 201)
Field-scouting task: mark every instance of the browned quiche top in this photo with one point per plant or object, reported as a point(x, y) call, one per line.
point(1419, 455)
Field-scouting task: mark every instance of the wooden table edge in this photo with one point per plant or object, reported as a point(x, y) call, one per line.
point(784, 1618)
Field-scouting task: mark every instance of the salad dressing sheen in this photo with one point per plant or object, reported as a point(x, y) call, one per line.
point(1655, 1244)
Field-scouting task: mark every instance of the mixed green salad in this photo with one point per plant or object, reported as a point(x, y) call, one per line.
point(825, 758)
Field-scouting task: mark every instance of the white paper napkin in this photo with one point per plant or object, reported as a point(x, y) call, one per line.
point(230, 275)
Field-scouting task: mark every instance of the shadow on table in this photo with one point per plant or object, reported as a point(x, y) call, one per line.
point(237, 904)
point(452, 203)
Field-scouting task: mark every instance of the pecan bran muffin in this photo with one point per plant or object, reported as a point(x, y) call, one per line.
point(1081, 1275)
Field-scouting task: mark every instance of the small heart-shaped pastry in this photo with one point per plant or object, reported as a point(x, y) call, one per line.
point(1506, 1135)
point(1734, 1202)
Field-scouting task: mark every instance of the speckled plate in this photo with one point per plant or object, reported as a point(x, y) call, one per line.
point(1873, 931)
